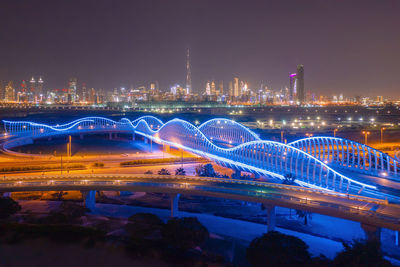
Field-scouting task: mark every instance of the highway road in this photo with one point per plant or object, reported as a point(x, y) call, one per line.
point(369, 211)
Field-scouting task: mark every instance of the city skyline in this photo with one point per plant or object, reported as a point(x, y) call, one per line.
point(133, 50)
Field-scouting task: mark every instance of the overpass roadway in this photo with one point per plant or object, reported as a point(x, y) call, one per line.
point(367, 211)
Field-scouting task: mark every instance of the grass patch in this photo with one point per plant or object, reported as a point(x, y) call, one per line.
point(42, 167)
point(163, 160)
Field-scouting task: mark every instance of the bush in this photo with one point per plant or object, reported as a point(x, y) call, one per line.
point(68, 212)
point(276, 249)
point(361, 253)
point(180, 171)
point(163, 172)
point(8, 207)
point(206, 170)
point(184, 233)
point(98, 164)
point(42, 167)
point(144, 226)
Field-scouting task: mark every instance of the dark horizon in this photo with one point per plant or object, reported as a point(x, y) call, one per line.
point(345, 47)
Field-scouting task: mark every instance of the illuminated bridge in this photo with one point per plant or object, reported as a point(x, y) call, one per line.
point(327, 163)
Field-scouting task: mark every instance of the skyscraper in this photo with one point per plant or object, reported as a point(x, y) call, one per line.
point(188, 74)
point(40, 92)
point(301, 94)
point(9, 92)
point(71, 90)
point(236, 92)
point(292, 87)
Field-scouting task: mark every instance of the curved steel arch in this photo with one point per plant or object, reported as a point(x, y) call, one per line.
point(257, 156)
point(350, 155)
point(227, 131)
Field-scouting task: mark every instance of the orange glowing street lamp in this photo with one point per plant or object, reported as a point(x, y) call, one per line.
point(382, 129)
point(334, 132)
point(309, 134)
point(365, 133)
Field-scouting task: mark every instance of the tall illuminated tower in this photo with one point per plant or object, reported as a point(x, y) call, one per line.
point(301, 94)
point(292, 87)
point(188, 74)
point(40, 93)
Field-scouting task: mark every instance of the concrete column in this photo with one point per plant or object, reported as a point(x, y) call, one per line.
point(271, 217)
point(167, 148)
point(81, 136)
point(372, 232)
point(174, 205)
point(396, 238)
point(110, 136)
point(89, 199)
point(133, 137)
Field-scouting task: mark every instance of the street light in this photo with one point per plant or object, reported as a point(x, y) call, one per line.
point(365, 133)
point(382, 129)
point(309, 134)
point(282, 136)
point(334, 132)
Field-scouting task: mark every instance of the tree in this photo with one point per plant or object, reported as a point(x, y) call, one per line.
point(289, 179)
point(184, 233)
point(180, 171)
point(361, 253)
point(8, 207)
point(68, 212)
point(163, 172)
point(144, 226)
point(148, 172)
point(276, 249)
point(306, 215)
point(206, 170)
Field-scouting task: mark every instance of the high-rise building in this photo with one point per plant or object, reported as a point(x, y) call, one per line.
point(221, 87)
point(71, 97)
point(213, 88)
point(208, 88)
point(32, 90)
point(2, 91)
point(301, 94)
point(10, 92)
point(40, 92)
point(236, 92)
point(83, 96)
point(188, 74)
point(292, 87)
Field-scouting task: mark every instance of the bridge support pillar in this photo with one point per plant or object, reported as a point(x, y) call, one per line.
point(371, 232)
point(174, 205)
point(89, 198)
point(146, 140)
point(167, 148)
point(396, 238)
point(133, 137)
point(81, 136)
point(271, 217)
point(110, 136)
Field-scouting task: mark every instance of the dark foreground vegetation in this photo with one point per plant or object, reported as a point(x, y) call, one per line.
point(175, 242)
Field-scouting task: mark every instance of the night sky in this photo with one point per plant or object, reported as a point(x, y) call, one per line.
point(349, 46)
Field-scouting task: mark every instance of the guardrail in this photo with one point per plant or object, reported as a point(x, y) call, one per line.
point(20, 180)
